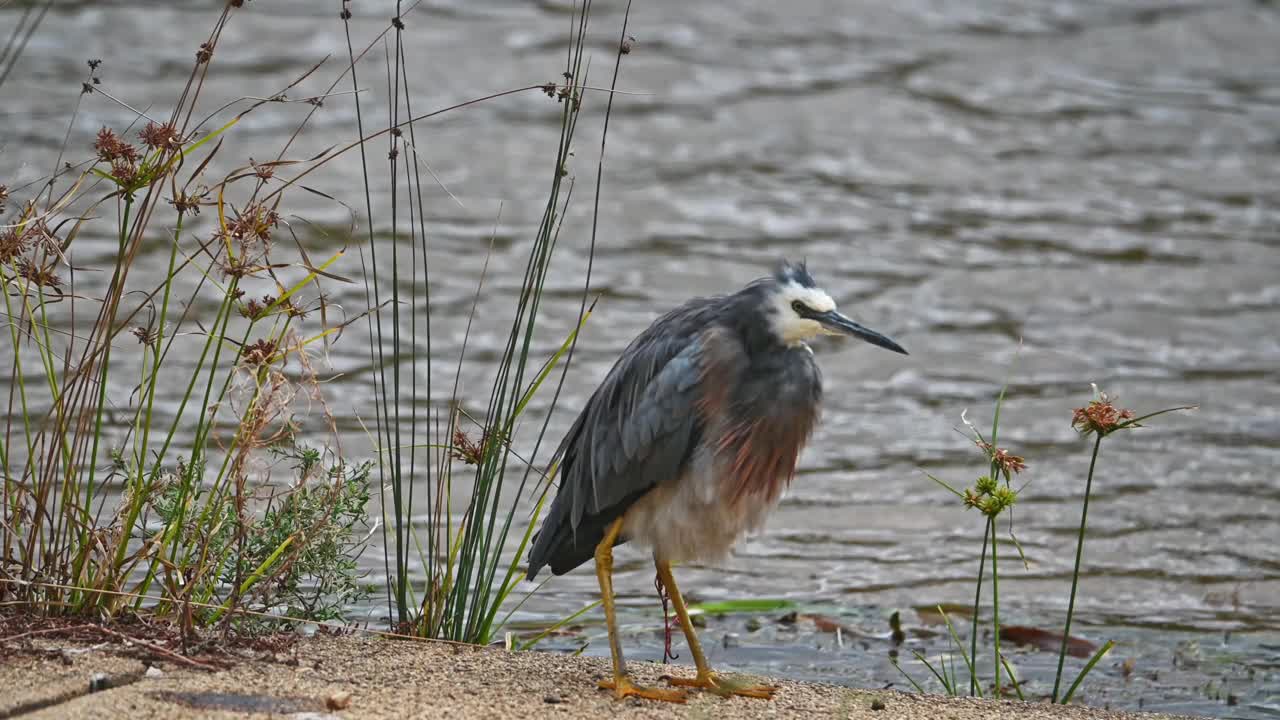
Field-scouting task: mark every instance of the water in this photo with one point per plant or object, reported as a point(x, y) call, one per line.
point(1083, 191)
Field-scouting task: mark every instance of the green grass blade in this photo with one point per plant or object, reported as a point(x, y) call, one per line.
point(1097, 657)
point(529, 644)
point(919, 688)
point(1013, 679)
point(941, 678)
point(955, 637)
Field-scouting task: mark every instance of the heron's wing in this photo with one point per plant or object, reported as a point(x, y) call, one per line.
point(642, 422)
point(637, 430)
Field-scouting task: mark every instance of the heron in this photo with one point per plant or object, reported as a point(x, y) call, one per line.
point(689, 442)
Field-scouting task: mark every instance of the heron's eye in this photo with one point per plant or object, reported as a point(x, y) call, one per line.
point(799, 307)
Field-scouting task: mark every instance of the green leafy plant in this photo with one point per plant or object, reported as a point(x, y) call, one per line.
point(993, 494)
point(75, 535)
point(140, 479)
point(324, 513)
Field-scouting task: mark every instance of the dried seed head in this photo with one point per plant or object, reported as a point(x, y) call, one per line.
point(1003, 459)
point(1099, 416)
point(1007, 462)
point(4, 197)
point(254, 222)
point(292, 309)
point(252, 309)
point(185, 203)
point(469, 451)
point(12, 244)
point(238, 267)
point(37, 235)
point(204, 54)
point(159, 136)
point(258, 309)
point(111, 148)
point(106, 143)
point(38, 275)
point(627, 44)
point(259, 353)
point(124, 171)
point(146, 336)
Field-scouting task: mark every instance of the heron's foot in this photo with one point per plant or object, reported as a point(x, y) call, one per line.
point(724, 686)
point(623, 687)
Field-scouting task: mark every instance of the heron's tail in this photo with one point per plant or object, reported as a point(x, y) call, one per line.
point(563, 547)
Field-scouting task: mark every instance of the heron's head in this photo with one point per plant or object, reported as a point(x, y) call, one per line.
point(799, 310)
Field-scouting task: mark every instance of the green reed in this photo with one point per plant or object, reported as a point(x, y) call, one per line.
point(469, 565)
point(1099, 418)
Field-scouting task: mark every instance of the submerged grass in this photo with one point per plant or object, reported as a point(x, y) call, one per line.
point(152, 457)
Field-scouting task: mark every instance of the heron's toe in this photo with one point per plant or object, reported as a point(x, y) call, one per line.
point(725, 686)
point(623, 687)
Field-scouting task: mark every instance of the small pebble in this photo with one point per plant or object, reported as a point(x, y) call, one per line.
point(338, 700)
point(552, 700)
point(153, 672)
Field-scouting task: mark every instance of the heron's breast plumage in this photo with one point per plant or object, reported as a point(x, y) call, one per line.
point(755, 414)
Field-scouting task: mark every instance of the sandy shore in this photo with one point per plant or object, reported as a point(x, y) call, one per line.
point(369, 677)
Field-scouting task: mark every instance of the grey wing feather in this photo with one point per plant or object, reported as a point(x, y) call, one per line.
point(639, 425)
point(636, 431)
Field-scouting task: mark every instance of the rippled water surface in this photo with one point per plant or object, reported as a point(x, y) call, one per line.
point(1094, 182)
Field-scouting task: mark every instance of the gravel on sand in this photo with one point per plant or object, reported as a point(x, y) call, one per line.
point(371, 677)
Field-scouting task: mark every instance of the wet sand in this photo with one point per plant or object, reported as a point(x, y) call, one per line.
point(370, 677)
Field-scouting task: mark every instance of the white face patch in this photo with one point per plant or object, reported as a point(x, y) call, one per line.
point(787, 324)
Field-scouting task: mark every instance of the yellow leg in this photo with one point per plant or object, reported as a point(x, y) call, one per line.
point(706, 679)
point(621, 685)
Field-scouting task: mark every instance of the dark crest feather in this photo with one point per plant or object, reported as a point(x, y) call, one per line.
point(794, 272)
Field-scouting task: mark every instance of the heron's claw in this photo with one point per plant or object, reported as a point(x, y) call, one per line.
point(724, 686)
point(623, 687)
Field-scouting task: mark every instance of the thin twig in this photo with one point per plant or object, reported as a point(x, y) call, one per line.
point(156, 649)
point(44, 631)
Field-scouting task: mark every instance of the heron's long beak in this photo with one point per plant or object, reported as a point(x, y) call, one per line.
point(837, 324)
